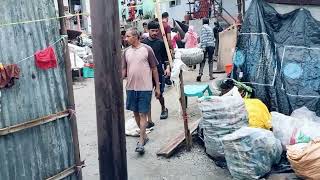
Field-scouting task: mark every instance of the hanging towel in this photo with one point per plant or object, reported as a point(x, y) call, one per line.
point(46, 59)
point(7, 75)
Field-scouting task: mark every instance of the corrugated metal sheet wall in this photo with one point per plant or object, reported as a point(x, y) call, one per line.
point(46, 150)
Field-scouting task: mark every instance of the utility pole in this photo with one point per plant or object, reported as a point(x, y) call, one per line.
point(109, 90)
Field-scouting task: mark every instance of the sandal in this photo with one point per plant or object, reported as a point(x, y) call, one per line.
point(164, 114)
point(139, 148)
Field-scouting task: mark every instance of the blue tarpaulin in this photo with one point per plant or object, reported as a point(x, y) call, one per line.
point(279, 55)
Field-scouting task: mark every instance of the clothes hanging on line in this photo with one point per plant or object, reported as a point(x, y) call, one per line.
point(46, 59)
point(8, 73)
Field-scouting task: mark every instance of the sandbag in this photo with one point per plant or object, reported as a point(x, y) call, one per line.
point(191, 56)
point(259, 116)
point(251, 152)
point(305, 159)
point(290, 130)
point(220, 116)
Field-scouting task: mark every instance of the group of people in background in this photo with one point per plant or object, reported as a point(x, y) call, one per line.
point(131, 10)
point(146, 67)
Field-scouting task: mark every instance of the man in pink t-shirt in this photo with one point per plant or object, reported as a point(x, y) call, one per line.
point(139, 67)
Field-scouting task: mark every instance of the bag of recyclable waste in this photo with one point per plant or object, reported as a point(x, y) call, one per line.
point(251, 152)
point(290, 130)
point(191, 56)
point(305, 159)
point(221, 115)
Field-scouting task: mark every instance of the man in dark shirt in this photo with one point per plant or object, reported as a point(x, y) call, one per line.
point(163, 67)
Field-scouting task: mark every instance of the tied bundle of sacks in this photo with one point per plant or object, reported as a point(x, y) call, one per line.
point(249, 152)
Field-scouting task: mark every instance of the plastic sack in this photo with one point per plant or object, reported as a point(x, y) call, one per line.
point(191, 56)
point(251, 152)
point(290, 130)
point(220, 116)
point(178, 65)
point(305, 159)
point(305, 113)
point(259, 115)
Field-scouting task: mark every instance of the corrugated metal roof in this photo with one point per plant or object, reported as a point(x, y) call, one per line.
point(46, 150)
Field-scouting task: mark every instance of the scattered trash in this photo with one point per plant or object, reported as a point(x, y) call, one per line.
point(305, 159)
point(221, 116)
point(251, 152)
point(132, 129)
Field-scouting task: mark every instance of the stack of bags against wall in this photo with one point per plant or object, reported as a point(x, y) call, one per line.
point(222, 115)
point(299, 134)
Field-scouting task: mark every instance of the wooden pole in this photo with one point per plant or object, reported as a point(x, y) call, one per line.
point(239, 4)
point(164, 35)
point(243, 9)
point(71, 104)
point(182, 96)
point(109, 90)
point(184, 113)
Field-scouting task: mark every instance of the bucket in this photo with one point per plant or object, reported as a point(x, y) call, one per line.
point(228, 68)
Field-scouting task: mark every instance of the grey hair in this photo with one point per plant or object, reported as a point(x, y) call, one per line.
point(134, 32)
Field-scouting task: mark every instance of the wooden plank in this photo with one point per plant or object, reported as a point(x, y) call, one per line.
point(168, 149)
point(33, 123)
point(65, 173)
point(70, 103)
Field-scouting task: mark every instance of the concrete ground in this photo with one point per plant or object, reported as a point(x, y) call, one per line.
point(194, 165)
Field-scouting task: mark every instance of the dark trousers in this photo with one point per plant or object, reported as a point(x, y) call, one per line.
point(208, 52)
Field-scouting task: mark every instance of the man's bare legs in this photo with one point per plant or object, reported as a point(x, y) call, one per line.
point(137, 118)
point(143, 126)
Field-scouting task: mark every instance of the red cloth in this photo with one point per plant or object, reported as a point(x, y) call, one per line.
point(46, 59)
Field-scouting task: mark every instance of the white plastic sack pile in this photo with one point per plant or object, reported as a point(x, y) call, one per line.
point(220, 116)
point(287, 128)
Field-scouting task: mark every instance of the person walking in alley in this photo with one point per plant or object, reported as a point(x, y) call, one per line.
point(140, 68)
point(163, 67)
point(207, 44)
point(216, 30)
point(191, 38)
point(167, 31)
point(124, 9)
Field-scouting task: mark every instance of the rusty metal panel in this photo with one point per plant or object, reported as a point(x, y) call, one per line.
point(43, 151)
point(295, 2)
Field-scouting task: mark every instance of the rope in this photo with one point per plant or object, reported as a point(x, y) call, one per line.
point(61, 38)
point(40, 20)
